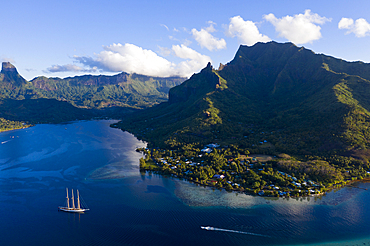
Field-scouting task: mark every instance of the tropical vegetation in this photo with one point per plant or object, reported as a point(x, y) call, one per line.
point(54, 100)
point(230, 168)
point(272, 98)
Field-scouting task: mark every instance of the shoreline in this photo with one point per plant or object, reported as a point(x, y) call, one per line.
point(14, 129)
point(237, 190)
point(244, 173)
point(349, 184)
point(58, 123)
point(232, 178)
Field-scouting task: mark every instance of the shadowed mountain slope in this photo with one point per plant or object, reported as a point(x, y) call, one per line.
point(270, 97)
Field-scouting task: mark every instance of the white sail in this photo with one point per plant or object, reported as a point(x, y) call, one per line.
point(78, 201)
point(73, 200)
point(67, 198)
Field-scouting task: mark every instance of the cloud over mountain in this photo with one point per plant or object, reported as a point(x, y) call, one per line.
point(360, 28)
point(206, 39)
point(68, 68)
point(131, 59)
point(134, 59)
point(181, 55)
point(299, 29)
point(246, 31)
point(194, 60)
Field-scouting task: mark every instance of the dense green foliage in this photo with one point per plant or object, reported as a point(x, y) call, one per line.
point(230, 168)
point(123, 90)
point(271, 98)
point(6, 125)
point(52, 100)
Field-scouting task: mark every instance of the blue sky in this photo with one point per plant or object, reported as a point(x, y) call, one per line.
point(165, 38)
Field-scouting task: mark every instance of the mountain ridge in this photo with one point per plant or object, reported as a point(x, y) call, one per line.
point(309, 103)
point(89, 91)
point(105, 96)
point(10, 74)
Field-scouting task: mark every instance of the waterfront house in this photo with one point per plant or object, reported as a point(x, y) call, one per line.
point(207, 150)
point(218, 176)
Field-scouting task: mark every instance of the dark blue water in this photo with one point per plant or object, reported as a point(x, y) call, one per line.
point(130, 208)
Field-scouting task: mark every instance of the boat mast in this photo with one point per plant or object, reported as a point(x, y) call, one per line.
point(67, 198)
point(73, 200)
point(78, 201)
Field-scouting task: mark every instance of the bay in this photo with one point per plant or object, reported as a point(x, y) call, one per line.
point(133, 208)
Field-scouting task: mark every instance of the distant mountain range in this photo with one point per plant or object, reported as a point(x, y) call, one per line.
point(54, 99)
point(88, 91)
point(272, 97)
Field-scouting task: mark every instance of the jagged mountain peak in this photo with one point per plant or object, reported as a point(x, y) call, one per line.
point(8, 67)
point(307, 102)
point(198, 84)
point(10, 74)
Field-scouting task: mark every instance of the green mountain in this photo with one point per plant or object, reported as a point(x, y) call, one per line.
point(88, 91)
point(56, 100)
point(122, 90)
point(10, 74)
point(13, 85)
point(272, 97)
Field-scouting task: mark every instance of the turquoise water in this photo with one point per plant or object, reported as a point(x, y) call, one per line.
point(132, 208)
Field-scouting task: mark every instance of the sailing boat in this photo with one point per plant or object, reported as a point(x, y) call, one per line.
point(73, 209)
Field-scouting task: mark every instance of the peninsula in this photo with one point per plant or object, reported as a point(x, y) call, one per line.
point(309, 110)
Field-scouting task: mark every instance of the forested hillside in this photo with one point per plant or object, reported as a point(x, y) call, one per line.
point(53, 100)
point(122, 90)
point(270, 98)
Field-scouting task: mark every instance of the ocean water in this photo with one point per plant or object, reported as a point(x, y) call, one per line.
point(132, 208)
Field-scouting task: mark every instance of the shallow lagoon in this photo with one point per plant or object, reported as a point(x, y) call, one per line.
point(131, 208)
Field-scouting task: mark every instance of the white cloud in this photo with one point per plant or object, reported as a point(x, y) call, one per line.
point(30, 69)
point(206, 39)
point(246, 31)
point(68, 68)
point(165, 27)
point(133, 59)
point(164, 51)
point(187, 42)
point(299, 29)
point(345, 23)
point(195, 61)
point(360, 28)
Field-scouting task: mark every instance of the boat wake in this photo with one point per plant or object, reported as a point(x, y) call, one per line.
point(210, 228)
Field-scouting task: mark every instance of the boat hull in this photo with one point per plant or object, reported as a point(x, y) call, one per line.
point(72, 210)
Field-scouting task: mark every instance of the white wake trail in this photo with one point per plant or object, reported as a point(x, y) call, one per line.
point(210, 228)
